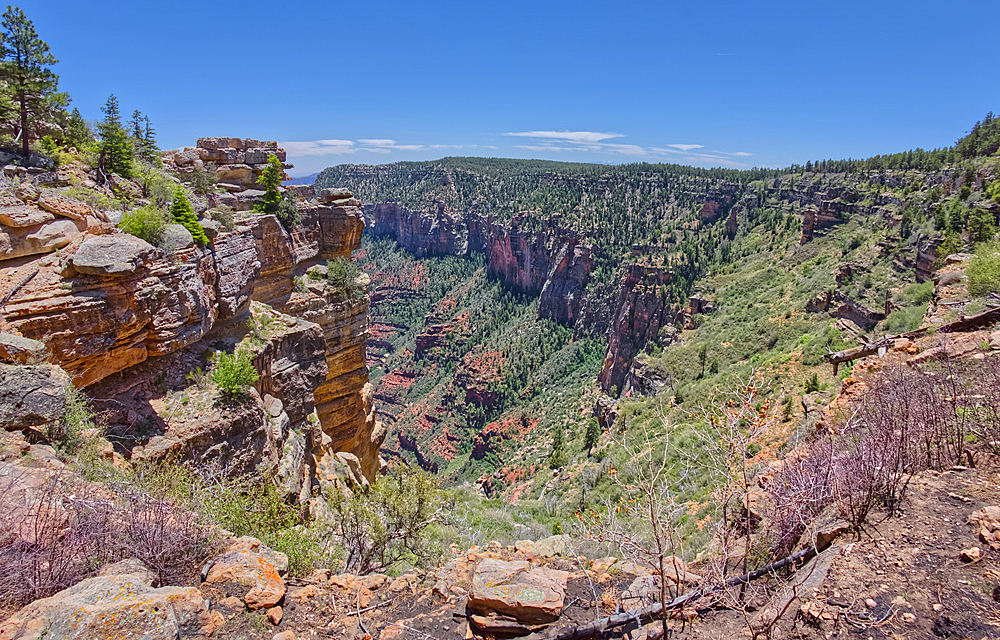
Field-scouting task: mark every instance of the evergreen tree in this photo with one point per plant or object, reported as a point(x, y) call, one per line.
point(184, 215)
point(591, 436)
point(270, 179)
point(24, 61)
point(558, 457)
point(116, 150)
point(284, 206)
point(981, 224)
point(78, 133)
point(149, 146)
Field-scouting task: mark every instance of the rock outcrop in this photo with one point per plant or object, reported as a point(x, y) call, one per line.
point(120, 602)
point(103, 304)
point(641, 312)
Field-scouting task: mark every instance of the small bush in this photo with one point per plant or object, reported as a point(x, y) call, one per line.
point(148, 223)
point(812, 384)
point(984, 270)
point(288, 211)
point(203, 178)
point(386, 526)
point(156, 185)
point(224, 216)
point(65, 435)
point(343, 274)
point(234, 373)
point(905, 319)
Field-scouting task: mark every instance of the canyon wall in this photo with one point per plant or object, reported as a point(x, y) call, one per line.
point(550, 262)
point(106, 302)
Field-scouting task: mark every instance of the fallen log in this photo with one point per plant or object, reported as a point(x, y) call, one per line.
point(971, 323)
point(654, 611)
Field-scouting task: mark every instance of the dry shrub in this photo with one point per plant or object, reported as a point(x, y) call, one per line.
point(800, 489)
point(56, 530)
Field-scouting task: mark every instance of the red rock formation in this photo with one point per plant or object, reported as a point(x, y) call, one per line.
point(550, 262)
point(641, 313)
point(102, 311)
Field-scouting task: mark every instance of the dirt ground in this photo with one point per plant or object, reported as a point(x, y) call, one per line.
point(902, 578)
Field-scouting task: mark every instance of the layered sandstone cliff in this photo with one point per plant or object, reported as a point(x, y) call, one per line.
point(551, 262)
point(104, 304)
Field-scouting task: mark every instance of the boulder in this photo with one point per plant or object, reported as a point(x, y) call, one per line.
point(987, 523)
point(177, 237)
point(24, 216)
point(19, 350)
point(552, 546)
point(333, 195)
point(115, 254)
point(55, 202)
point(119, 603)
point(43, 238)
point(249, 563)
point(515, 589)
point(31, 396)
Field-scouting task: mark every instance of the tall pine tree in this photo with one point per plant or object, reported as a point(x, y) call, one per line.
point(24, 62)
point(116, 149)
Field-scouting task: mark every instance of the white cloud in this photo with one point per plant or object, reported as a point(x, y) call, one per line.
point(686, 147)
point(548, 147)
point(578, 137)
point(739, 154)
point(318, 147)
point(377, 142)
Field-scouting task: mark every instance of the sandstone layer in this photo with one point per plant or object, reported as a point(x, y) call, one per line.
point(103, 304)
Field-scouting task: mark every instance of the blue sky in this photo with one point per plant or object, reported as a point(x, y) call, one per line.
point(705, 83)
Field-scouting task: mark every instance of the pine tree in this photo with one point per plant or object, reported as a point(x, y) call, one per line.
point(116, 150)
point(592, 435)
point(284, 206)
point(78, 133)
point(270, 179)
point(149, 141)
point(981, 225)
point(24, 66)
point(184, 215)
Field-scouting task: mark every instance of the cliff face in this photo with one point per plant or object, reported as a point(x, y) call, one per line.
point(550, 262)
point(641, 313)
point(105, 304)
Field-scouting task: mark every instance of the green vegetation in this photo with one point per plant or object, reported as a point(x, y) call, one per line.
point(183, 214)
point(116, 148)
point(343, 275)
point(984, 269)
point(234, 373)
point(385, 527)
point(148, 222)
point(284, 206)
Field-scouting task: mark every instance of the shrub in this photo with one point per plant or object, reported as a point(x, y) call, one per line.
point(203, 178)
point(156, 185)
point(184, 215)
point(224, 216)
point(343, 274)
point(234, 373)
point(70, 529)
point(148, 223)
point(385, 526)
point(288, 211)
point(812, 384)
point(65, 434)
point(984, 270)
